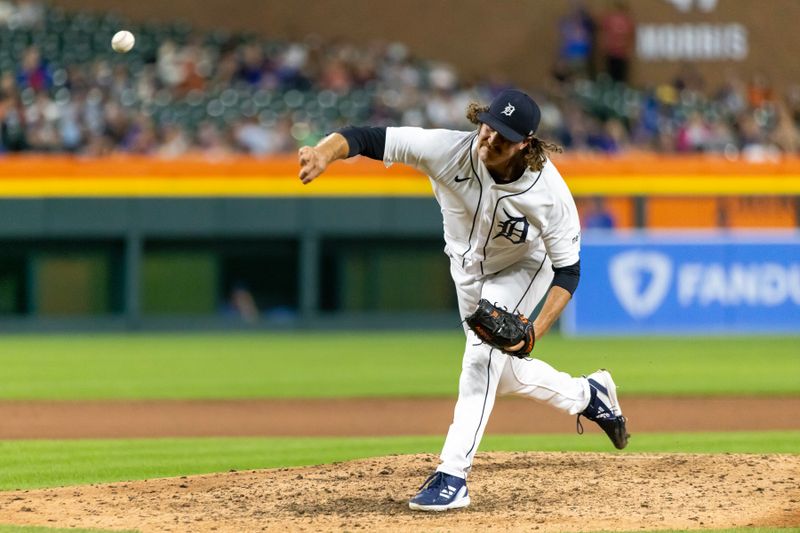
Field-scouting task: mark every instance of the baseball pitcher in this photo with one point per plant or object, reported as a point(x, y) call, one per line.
point(512, 234)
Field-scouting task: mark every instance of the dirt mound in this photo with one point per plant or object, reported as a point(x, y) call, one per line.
point(510, 492)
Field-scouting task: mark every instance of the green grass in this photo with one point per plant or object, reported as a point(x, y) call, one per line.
point(42, 463)
point(367, 364)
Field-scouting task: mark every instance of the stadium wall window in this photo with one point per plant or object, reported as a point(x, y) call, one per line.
point(178, 283)
point(262, 273)
point(386, 276)
point(13, 285)
point(247, 279)
point(72, 284)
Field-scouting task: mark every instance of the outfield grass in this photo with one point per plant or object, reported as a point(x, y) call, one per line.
point(48, 463)
point(368, 365)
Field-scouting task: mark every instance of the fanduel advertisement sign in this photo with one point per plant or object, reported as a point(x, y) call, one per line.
point(689, 284)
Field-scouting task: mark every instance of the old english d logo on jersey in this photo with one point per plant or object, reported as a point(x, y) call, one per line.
point(515, 229)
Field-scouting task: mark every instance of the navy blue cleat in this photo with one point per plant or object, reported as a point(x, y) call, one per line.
point(604, 408)
point(441, 492)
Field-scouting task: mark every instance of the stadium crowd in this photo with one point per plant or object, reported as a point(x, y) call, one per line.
point(182, 91)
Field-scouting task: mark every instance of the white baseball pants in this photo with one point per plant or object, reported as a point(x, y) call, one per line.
point(487, 372)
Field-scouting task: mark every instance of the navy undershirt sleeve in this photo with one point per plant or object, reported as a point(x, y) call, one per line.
point(567, 277)
point(369, 142)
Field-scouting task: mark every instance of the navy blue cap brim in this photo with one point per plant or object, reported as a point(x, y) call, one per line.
point(497, 125)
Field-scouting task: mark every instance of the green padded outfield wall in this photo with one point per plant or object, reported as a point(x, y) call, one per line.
point(178, 263)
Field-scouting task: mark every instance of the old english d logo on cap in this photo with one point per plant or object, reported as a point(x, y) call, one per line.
point(513, 114)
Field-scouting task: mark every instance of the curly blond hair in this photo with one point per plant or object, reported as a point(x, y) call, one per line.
point(538, 150)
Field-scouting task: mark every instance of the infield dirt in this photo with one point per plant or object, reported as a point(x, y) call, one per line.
point(543, 492)
point(360, 417)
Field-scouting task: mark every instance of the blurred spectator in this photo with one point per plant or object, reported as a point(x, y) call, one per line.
point(759, 90)
point(618, 138)
point(211, 141)
point(694, 135)
point(97, 146)
point(174, 142)
point(644, 121)
point(198, 65)
point(169, 65)
point(720, 137)
point(22, 14)
point(785, 135)
point(12, 117)
point(255, 139)
point(33, 71)
point(600, 137)
point(290, 72)
point(617, 37)
point(116, 125)
point(6, 11)
point(756, 147)
point(665, 141)
point(596, 215)
point(41, 118)
point(69, 127)
point(141, 136)
point(336, 77)
point(241, 304)
point(226, 71)
point(793, 103)
point(732, 95)
point(252, 65)
point(576, 31)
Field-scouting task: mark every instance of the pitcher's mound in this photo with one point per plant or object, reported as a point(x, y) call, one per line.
point(509, 491)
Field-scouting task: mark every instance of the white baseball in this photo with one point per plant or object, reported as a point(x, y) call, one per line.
point(122, 41)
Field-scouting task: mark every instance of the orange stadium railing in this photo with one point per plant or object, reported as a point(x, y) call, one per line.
point(681, 191)
point(58, 176)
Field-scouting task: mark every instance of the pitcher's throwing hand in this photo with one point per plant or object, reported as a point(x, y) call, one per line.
point(311, 164)
point(315, 159)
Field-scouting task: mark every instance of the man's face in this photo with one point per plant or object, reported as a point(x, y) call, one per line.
point(495, 150)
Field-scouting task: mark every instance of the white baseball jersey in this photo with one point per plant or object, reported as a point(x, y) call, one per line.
point(490, 226)
point(513, 230)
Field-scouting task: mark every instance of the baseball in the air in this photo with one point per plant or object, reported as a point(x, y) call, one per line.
point(122, 41)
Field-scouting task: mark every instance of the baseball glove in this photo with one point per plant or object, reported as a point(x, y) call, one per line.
point(501, 329)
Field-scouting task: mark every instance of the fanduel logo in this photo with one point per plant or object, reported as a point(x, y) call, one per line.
point(751, 284)
point(640, 281)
